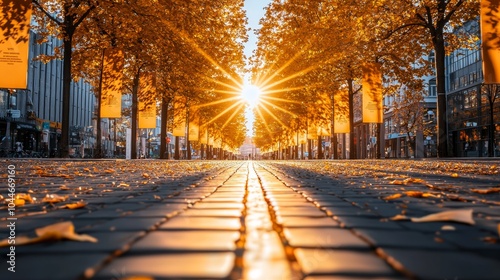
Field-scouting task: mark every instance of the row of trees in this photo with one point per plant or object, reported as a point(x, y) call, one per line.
point(311, 53)
point(193, 48)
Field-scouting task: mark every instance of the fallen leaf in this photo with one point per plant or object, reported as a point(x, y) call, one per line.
point(54, 232)
point(414, 193)
point(400, 217)
point(448, 227)
point(459, 216)
point(454, 175)
point(54, 198)
point(157, 197)
point(79, 204)
point(486, 191)
point(397, 182)
point(415, 181)
point(24, 196)
point(490, 239)
point(394, 196)
point(63, 187)
point(438, 239)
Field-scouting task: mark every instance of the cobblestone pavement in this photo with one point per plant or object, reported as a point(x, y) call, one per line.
point(312, 220)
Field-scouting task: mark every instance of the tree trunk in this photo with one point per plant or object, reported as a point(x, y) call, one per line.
point(352, 136)
point(442, 137)
point(176, 151)
point(163, 130)
point(98, 151)
point(135, 89)
point(66, 91)
point(320, 147)
point(492, 90)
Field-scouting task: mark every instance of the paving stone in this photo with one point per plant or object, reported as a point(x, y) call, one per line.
point(431, 264)
point(223, 199)
point(433, 226)
point(107, 242)
point(361, 222)
point(217, 205)
point(353, 278)
point(211, 213)
point(306, 210)
point(161, 241)
point(51, 266)
point(297, 221)
point(344, 263)
point(127, 224)
point(104, 213)
point(323, 238)
point(214, 223)
point(158, 213)
point(171, 266)
point(471, 240)
point(402, 239)
point(349, 211)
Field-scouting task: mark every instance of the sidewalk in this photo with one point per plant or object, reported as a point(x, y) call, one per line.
point(255, 220)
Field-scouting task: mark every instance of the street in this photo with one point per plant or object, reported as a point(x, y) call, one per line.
point(161, 219)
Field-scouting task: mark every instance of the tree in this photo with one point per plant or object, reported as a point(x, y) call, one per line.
point(61, 19)
point(433, 23)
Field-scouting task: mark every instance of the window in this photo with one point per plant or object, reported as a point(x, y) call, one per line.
point(432, 87)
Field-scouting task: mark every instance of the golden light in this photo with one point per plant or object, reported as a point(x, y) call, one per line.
point(251, 95)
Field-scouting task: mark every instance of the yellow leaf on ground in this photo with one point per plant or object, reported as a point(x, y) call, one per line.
point(79, 204)
point(454, 175)
point(25, 197)
point(54, 232)
point(19, 202)
point(394, 196)
point(486, 191)
point(414, 193)
point(459, 216)
point(400, 217)
point(397, 182)
point(54, 198)
point(415, 181)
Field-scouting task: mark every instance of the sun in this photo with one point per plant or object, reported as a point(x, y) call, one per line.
point(251, 95)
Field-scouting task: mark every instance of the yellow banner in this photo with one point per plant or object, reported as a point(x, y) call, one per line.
point(112, 83)
point(372, 94)
point(194, 131)
point(490, 41)
point(147, 105)
point(302, 138)
point(15, 17)
point(312, 131)
point(179, 116)
point(204, 137)
point(341, 117)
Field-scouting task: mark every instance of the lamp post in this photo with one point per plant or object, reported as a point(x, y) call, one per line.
point(7, 141)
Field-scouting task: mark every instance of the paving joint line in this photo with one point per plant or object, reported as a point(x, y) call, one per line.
point(92, 271)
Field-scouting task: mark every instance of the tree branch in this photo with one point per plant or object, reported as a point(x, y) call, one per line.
point(52, 18)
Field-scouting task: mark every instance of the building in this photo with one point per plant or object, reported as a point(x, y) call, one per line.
point(33, 116)
point(469, 124)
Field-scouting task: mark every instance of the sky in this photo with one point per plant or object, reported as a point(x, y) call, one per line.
point(255, 11)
